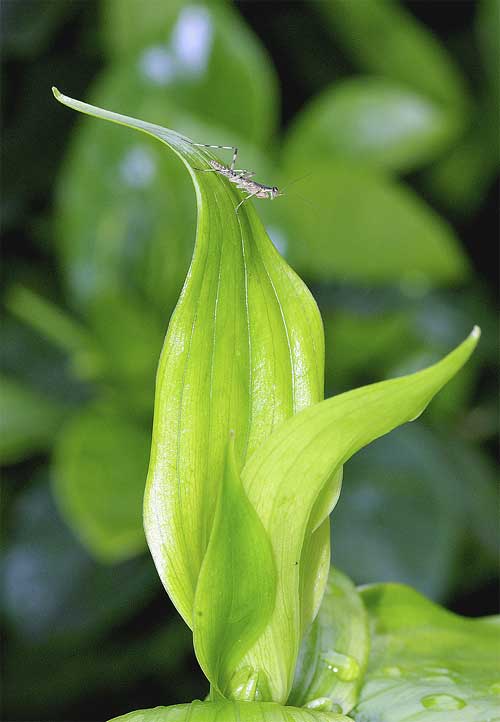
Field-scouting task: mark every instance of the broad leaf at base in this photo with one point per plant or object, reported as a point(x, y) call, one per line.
point(427, 664)
point(230, 712)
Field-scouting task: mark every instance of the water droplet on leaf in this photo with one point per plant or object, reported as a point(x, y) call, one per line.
point(441, 702)
point(391, 672)
point(344, 667)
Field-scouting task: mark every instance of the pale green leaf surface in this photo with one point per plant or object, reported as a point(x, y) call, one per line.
point(230, 712)
point(28, 421)
point(300, 463)
point(236, 586)
point(243, 352)
point(365, 227)
point(334, 652)
point(427, 664)
point(224, 76)
point(100, 465)
point(372, 121)
point(385, 38)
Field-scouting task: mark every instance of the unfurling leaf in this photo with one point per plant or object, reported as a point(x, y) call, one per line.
point(293, 482)
point(244, 351)
point(236, 587)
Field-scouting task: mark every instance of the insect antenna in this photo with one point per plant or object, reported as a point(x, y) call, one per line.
point(295, 180)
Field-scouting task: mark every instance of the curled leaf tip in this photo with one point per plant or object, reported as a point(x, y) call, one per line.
point(56, 92)
point(476, 332)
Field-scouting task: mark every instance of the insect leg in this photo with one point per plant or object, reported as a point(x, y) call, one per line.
point(223, 147)
point(245, 200)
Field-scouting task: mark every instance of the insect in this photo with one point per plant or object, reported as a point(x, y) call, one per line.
point(243, 179)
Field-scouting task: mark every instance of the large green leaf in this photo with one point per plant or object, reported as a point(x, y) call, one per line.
point(369, 229)
point(100, 465)
point(385, 38)
point(244, 351)
point(371, 121)
point(313, 445)
point(236, 587)
point(334, 652)
point(230, 712)
point(427, 664)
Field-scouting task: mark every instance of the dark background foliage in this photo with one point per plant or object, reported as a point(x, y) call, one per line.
point(396, 235)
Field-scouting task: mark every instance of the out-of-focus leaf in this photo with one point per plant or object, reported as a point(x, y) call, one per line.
point(412, 525)
point(138, 238)
point(35, 362)
point(230, 712)
point(370, 229)
point(313, 445)
point(427, 664)
point(50, 585)
point(203, 56)
point(358, 344)
point(243, 352)
point(100, 468)
point(461, 179)
point(476, 475)
point(383, 37)
point(129, 335)
point(236, 587)
point(28, 420)
point(371, 121)
point(334, 652)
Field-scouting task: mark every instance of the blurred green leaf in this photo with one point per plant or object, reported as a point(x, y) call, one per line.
point(367, 228)
point(100, 468)
point(52, 589)
point(203, 56)
point(427, 664)
point(412, 524)
point(138, 236)
point(314, 444)
point(372, 121)
point(236, 588)
point(129, 335)
point(229, 712)
point(29, 421)
point(385, 38)
point(362, 345)
point(461, 179)
point(334, 652)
